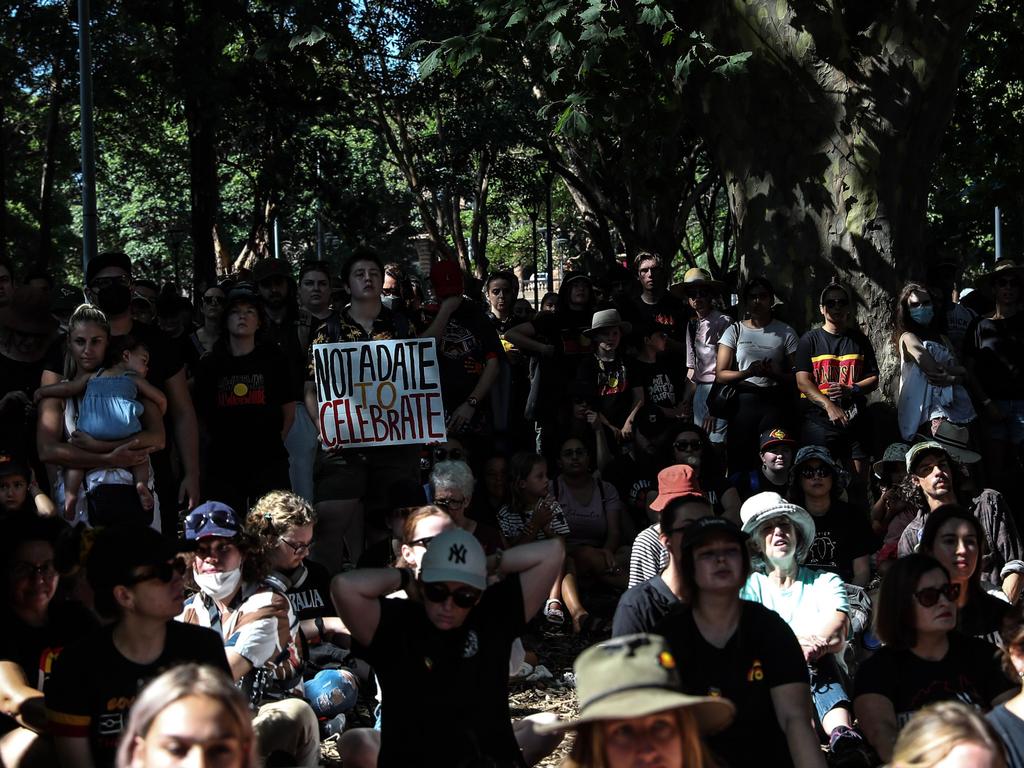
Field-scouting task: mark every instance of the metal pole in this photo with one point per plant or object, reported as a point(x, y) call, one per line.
point(536, 290)
point(277, 240)
point(87, 137)
point(999, 234)
point(548, 234)
point(319, 214)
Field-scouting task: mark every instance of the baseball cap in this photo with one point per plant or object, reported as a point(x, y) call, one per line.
point(676, 482)
point(101, 261)
point(11, 465)
point(118, 550)
point(212, 518)
point(446, 277)
point(917, 449)
point(455, 555)
point(775, 436)
point(701, 530)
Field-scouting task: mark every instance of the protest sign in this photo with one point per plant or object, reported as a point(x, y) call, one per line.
point(373, 393)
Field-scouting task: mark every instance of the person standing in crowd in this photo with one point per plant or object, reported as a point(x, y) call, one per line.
point(617, 397)
point(703, 333)
point(664, 386)
point(136, 578)
point(994, 351)
point(108, 278)
point(37, 626)
point(7, 282)
point(835, 370)
point(945, 280)
point(813, 603)
point(953, 536)
point(1008, 717)
point(740, 651)
point(949, 735)
point(932, 380)
point(205, 337)
point(189, 713)
point(243, 396)
point(452, 486)
point(512, 387)
point(679, 504)
point(934, 476)
point(453, 640)
point(756, 357)
point(924, 659)
point(776, 466)
point(656, 303)
point(259, 631)
point(647, 722)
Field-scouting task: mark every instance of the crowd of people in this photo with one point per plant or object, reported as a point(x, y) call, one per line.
point(764, 564)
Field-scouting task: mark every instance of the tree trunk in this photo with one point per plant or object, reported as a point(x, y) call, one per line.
point(826, 138)
point(44, 255)
point(3, 179)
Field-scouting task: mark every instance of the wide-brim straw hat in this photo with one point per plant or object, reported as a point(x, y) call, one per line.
point(636, 676)
point(607, 318)
point(695, 277)
point(1002, 268)
point(765, 506)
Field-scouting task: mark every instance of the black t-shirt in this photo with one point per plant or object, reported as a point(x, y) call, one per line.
point(93, 686)
point(969, 673)
point(17, 376)
point(1011, 731)
point(614, 387)
point(669, 311)
point(564, 331)
point(662, 382)
point(841, 535)
point(633, 479)
point(996, 348)
point(445, 693)
point(755, 481)
point(467, 343)
point(982, 616)
point(240, 399)
point(642, 607)
point(34, 649)
point(762, 654)
point(844, 358)
point(311, 598)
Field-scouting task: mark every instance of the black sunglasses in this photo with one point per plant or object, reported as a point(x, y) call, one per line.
point(834, 303)
point(821, 471)
point(163, 572)
point(463, 597)
point(441, 454)
point(929, 596)
point(424, 542)
point(687, 445)
point(195, 521)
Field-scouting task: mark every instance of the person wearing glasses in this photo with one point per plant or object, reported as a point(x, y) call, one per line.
point(452, 485)
point(924, 659)
point(755, 356)
point(450, 641)
point(690, 445)
point(37, 625)
point(260, 633)
point(932, 384)
point(835, 370)
point(137, 581)
point(206, 335)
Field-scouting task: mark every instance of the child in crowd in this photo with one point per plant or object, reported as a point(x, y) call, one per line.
point(110, 409)
point(618, 397)
point(17, 485)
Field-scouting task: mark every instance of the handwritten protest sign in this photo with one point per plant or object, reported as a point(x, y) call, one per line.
point(378, 393)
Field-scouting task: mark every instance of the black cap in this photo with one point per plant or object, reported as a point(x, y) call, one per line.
point(707, 527)
point(12, 465)
point(101, 261)
point(268, 268)
point(117, 551)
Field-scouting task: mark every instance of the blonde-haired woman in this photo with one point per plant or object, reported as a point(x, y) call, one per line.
point(948, 735)
point(189, 715)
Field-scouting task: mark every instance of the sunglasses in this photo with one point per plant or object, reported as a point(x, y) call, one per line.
point(298, 549)
point(929, 596)
point(815, 472)
point(463, 597)
point(835, 303)
point(424, 542)
point(197, 520)
point(698, 293)
point(450, 503)
point(164, 572)
point(441, 454)
point(687, 445)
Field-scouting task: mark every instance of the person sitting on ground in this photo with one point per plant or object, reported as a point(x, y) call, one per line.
point(632, 713)
point(892, 510)
point(946, 735)
point(679, 504)
point(110, 410)
point(452, 486)
point(953, 536)
point(690, 445)
point(842, 541)
point(20, 495)
point(924, 659)
point(37, 626)
point(1008, 718)
point(647, 555)
point(740, 651)
point(136, 579)
point(193, 713)
point(934, 476)
point(452, 639)
point(776, 452)
point(257, 627)
point(813, 603)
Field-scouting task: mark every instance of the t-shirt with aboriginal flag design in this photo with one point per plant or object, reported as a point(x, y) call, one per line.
point(843, 358)
point(93, 687)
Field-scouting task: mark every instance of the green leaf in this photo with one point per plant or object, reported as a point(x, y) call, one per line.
point(728, 66)
point(430, 63)
point(312, 37)
point(592, 13)
point(557, 44)
point(556, 15)
point(572, 123)
point(517, 18)
point(594, 33)
point(668, 37)
point(654, 16)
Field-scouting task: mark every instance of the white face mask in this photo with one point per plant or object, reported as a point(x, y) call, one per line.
point(219, 585)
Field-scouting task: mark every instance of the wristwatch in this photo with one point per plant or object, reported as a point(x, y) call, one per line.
point(472, 401)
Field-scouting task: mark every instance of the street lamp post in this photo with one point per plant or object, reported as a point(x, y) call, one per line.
point(87, 137)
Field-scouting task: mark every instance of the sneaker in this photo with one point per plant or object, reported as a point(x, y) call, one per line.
point(844, 739)
point(847, 749)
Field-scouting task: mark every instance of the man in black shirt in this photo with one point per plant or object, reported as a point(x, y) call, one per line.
point(656, 304)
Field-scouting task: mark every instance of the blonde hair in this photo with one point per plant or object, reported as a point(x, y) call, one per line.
point(932, 733)
point(178, 683)
point(84, 313)
point(588, 751)
point(274, 514)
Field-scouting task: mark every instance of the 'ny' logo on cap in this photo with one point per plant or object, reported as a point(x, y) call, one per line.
point(457, 554)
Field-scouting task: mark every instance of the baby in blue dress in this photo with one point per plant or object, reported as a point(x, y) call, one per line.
point(110, 410)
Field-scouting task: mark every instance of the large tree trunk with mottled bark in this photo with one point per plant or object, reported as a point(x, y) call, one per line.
point(826, 139)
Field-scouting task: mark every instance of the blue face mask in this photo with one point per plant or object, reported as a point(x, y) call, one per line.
point(922, 315)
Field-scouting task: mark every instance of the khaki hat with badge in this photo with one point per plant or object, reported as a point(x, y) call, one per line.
point(695, 277)
point(636, 676)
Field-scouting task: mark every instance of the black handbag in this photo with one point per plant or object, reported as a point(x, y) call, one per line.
point(723, 400)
